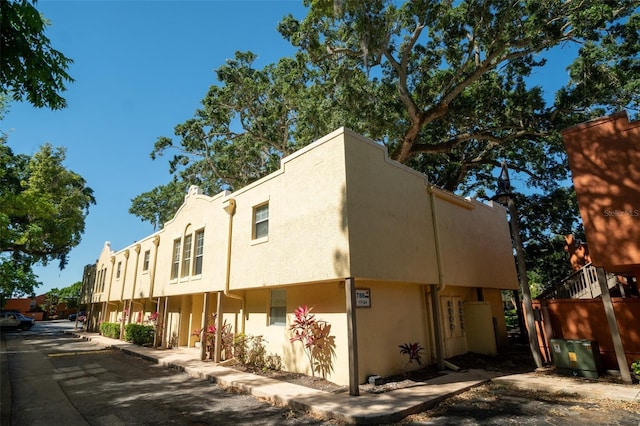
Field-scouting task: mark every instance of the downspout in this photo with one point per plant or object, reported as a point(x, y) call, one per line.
point(230, 208)
point(124, 280)
point(135, 278)
point(156, 243)
point(124, 277)
point(435, 291)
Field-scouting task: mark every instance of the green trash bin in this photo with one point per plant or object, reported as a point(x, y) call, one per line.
point(577, 358)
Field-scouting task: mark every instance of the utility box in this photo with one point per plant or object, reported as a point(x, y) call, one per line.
point(576, 357)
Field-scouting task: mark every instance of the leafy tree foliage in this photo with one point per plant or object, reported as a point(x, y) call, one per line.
point(29, 66)
point(548, 218)
point(459, 73)
point(16, 279)
point(43, 207)
point(160, 204)
point(71, 294)
point(444, 85)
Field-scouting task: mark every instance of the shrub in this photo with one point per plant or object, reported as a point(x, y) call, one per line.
point(256, 351)
point(110, 329)
point(313, 334)
point(251, 351)
point(226, 336)
point(273, 362)
point(240, 347)
point(139, 334)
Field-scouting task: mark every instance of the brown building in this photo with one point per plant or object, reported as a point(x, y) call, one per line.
point(604, 156)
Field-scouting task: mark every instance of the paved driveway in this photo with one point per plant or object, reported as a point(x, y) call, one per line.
point(56, 378)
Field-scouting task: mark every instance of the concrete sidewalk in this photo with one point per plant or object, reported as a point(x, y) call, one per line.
point(367, 408)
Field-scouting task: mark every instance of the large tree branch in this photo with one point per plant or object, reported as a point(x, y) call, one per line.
point(486, 135)
point(23, 249)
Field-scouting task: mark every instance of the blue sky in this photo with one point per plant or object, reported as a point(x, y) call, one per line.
point(141, 67)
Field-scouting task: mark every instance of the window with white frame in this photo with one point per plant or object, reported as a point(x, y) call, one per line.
point(261, 221)
point(119, 270)
point(197, 265)
point(186, 255)
point(175, 264)
point(278, 308)
point(145, 262)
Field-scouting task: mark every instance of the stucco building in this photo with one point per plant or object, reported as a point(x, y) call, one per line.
point(380, 254)
point(604, 156)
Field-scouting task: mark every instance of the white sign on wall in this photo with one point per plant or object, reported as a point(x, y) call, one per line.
point(363, 298)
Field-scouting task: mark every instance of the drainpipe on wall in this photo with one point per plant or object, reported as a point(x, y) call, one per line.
point(230, 208)
point(435, 290)
point(124, 276)
point(124, 303)
point(152, 280)
point(135, 278)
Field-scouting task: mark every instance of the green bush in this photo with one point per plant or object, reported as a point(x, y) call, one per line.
point(110, 329)
point(240, 342)
point(251, 351)
point(139, 334)
point(511, 318)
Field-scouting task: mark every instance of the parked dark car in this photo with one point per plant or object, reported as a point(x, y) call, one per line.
point(11, 319)
point(82, 315)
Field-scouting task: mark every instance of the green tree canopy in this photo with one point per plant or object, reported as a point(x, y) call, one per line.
point(71, 295)
point(160, 204)
point(30, 68)
point(444, 85)
point(43, 207)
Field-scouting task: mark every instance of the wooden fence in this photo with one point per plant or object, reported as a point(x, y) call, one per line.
point(585, 319)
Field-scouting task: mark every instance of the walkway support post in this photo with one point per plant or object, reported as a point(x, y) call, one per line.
point(203, 327)
point(352, 336)
point(613, 327)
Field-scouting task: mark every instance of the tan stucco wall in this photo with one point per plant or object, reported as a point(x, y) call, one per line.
point(391, 234)
point(398, 315)
point(198, 212)
point(103, 272)
point(338, 208)
point(141, 287)
point(475, 243)
point(389, 217)
point(328, 303)
point(307, 238)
